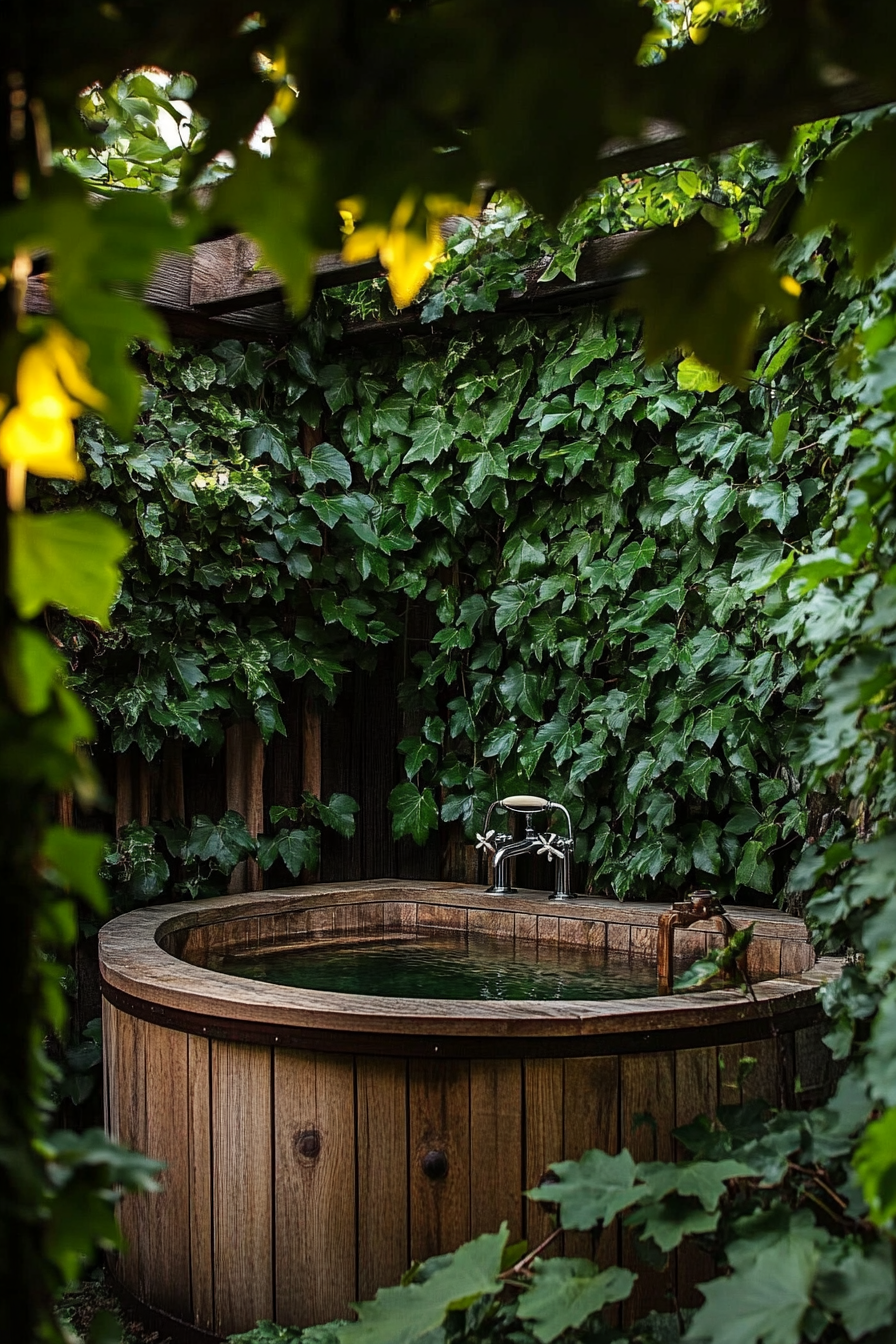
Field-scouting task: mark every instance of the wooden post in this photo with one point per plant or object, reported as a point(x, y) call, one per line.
point(172, 805)
point(245, 775)
point(65, 809)
point(124, 791)
point(144, 791)
point(312, 768)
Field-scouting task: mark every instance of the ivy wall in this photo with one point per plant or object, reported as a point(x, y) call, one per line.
point(594, 545)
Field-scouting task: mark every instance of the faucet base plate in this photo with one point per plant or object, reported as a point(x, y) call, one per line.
point(562, 896)
point(500, 891)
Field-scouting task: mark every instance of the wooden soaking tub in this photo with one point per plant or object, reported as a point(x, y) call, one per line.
point(316, 1143)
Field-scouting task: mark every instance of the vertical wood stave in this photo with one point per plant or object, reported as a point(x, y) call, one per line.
point(439, 1115)
point(200, 1139)
point(648, 1089)
point(382, 1144)
point(496, 1144)
point(314, 1186)
point(165, 1269)
point(242, 1188)
point(696, 1092)
point(543, 1082)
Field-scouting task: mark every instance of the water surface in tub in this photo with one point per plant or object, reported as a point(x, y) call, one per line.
point(445, 966)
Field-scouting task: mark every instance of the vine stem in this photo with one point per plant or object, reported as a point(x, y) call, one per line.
point(522, 1265)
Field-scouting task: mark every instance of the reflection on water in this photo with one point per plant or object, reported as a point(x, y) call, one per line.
point(434, 965)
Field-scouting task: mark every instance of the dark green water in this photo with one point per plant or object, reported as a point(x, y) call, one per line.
point(439, 966)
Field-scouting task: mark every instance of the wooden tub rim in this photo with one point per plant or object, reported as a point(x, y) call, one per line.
point(143, 979)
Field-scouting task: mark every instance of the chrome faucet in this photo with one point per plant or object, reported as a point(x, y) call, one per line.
point(502, 849)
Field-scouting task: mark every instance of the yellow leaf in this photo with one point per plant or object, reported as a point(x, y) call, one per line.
point(791, 286)
point(37, 434)
point(364, 242)
point(41, 444)
point(408, 260)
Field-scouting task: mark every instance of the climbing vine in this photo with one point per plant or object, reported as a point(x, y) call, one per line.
point(588, 532)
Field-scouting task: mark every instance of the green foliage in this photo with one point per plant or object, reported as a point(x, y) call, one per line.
point(418, 1307)
point(564, 1293)
point(174, 861)
point(718, 961)
point(608, 649)
point(589, 537)
point(47, 565)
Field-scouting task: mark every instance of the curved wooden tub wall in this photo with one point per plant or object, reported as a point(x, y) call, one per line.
point(317, 1143)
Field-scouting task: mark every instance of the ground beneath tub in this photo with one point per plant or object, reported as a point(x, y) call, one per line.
point(81, 1311)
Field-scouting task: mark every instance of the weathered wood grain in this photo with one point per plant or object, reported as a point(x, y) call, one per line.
point(815, 1066)
point(165, 1235)
point(647, 1110)
point(199, 1155)
point(245, 782)
point(496, 1146)
point(543, 1094)
point(696, 1093)
point(591, 1120)
point(129, 1068)
point(439, 1115)
point(382, 1141)
point(242, 1185)
point(314, 1186)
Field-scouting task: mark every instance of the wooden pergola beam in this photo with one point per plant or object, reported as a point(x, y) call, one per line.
point(220, 290)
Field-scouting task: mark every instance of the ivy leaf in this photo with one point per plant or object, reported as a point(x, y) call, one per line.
point(667, 1224)
point(641, 771)
point(488, 463)
point(755, 868)
point(261, 441)
point(765, 1299)
point(429, 439)
point(337, 384)
point(339, 813)
point(757, 559)
point(501, 741)
point(711, 723)
point(772, 502)
point(242, 363)
point(224, 843)
point(564, 1293)
point(704, 1181)
point(693, 376)
point(414, 812)
point(69, 560)
point(325, 463)
point(856, 1282)
point(298, 849)
point(592, 1190)
point(415, 1311)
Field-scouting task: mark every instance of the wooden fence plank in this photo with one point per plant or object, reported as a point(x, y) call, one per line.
point(171, 804)
point(245, 779)
point(382, 1141)
point(314, 1186)
point(439, 1149)
point(242, 1196)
